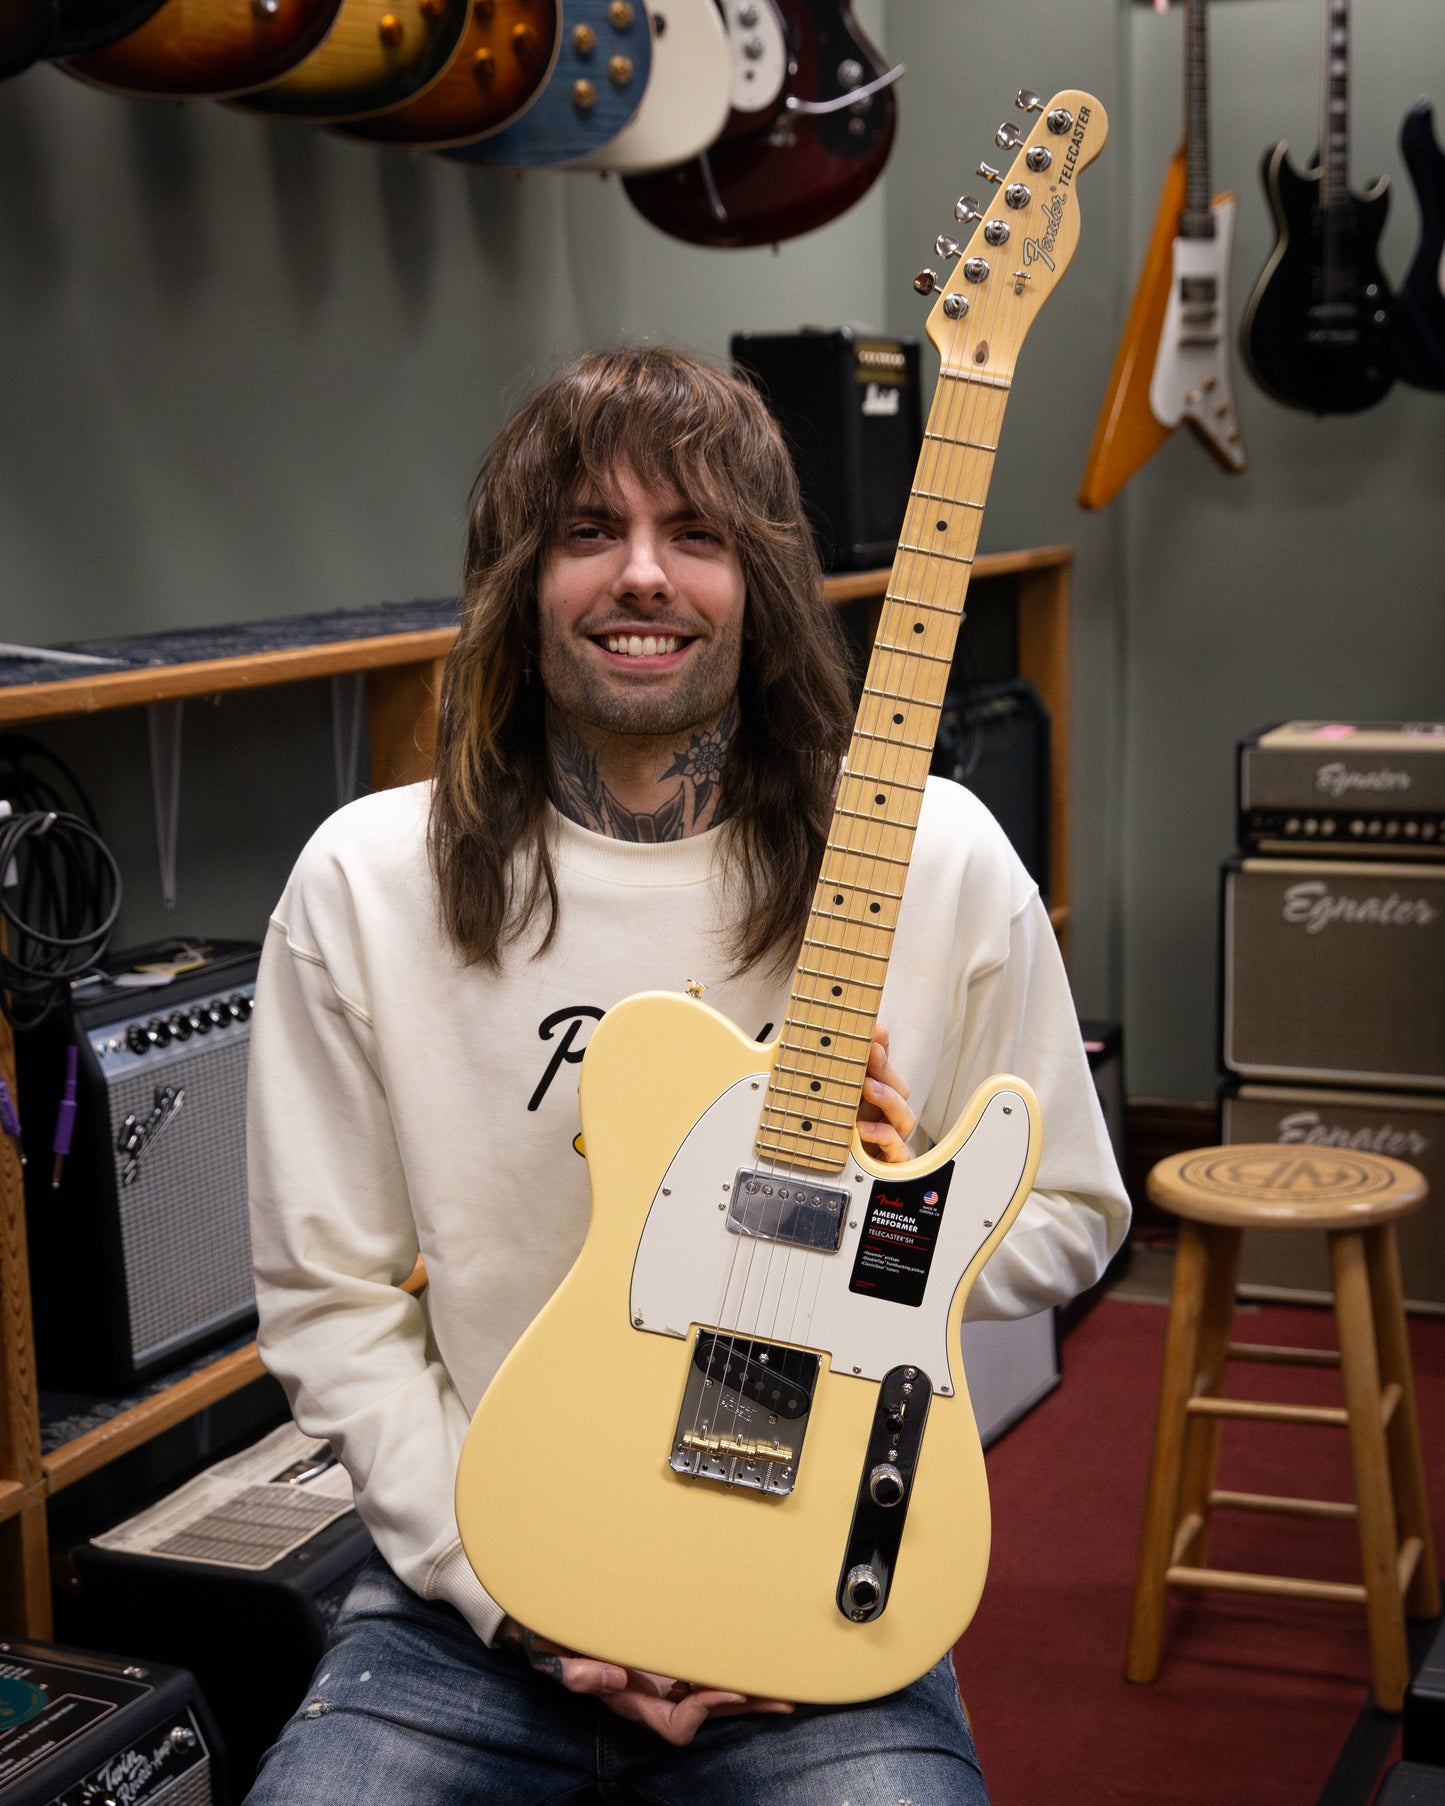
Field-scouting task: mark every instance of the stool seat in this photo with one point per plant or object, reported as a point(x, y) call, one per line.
point(1354, 1200)
point(1263, 1185)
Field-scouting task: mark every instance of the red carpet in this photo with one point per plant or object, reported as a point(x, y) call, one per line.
point(1256, 1696)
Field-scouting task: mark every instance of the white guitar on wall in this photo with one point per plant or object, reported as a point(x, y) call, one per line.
point(737, 1444)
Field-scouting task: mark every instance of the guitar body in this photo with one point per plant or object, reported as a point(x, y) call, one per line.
point(208, 48)
point(497, 69)
point(1420, 299)
point(603, 66)
point(1192, 377)
point(568, 1506)
point(1317, 331)
point(688, 96)
point(793, 171)
point(377, 54)
point(33, 31)
point(1128, 432)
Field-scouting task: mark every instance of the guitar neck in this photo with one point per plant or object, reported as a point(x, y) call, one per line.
point(822, 1056)
point(1197, 219)
point(1335, 106)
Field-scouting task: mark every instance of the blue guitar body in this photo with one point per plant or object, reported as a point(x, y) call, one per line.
point(603, 65)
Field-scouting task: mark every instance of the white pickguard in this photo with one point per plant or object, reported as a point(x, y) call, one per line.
point(1193, 377)
point(691, 1269)
point(685, 104)
point(759, 53)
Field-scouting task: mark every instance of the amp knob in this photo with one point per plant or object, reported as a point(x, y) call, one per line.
point(862, 1589)
point(885, 1484)
point(136, 1039)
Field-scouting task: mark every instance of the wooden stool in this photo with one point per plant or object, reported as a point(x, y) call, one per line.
point(1354, 1198)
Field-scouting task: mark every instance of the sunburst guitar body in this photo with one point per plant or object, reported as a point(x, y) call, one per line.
point(377, 54)
point(736, 1445)
point(209, 49)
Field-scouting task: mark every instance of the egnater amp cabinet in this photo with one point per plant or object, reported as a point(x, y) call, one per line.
point(851, 411)
point(1404, 1125)
point(1355, 789)
point(78, 1729)
point(142, 1254)
point(1334, 972)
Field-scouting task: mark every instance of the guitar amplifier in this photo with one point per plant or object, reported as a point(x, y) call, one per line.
point(851, 411)
point(78, 1729)
point(141, 1255)
point(1334, 972)
point(1403, 1125)
point(1361, 789)
point(994, 739)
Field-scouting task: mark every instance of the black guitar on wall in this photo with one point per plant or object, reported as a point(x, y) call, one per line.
point(1317, 333)
point(1420, 300)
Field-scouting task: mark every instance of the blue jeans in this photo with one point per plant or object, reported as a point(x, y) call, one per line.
point(410, 1708)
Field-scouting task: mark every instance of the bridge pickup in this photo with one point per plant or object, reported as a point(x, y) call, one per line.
point(744, 1412)
point(780, 1207)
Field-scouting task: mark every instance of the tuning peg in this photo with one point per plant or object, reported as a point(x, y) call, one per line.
point(1028, 102)
point(1008, 136)
point(946, 246)
point(966, 209)
point(926, 281)
point(988, 172)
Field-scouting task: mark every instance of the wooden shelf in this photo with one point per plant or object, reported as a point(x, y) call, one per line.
point(403, 677)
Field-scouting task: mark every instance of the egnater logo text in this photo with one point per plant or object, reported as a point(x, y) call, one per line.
point(1339, 780)
point(1310, 1127)
point(1313, 906)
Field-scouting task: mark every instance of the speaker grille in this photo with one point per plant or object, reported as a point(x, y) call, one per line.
point(183, 1221)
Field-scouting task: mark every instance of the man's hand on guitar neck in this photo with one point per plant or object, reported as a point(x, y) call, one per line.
point(676, 1710)
point(884, 1120)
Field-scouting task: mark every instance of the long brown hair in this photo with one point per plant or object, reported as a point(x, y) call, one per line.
point(683, 425)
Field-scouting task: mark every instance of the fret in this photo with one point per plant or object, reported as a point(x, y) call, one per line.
point(854, 775)
point(938, 608)
point(936, 658)
point(803, 1157)
point(812, 1136)
point(874, 821)
point(819, 1107)
point(948, 439)
point(980, 380)
point(834, 846)
point(838, 1034)
point(933, 552)
point(863, 733)
point(833, 1003)
point(863, 984)
point(954, 501)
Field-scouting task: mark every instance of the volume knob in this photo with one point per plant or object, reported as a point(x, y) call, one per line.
point(885, 1484)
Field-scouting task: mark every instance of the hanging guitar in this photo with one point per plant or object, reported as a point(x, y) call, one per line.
point(1420, 299)
point(33, 31)
point(377, 54)
point(798, 163)
point(736, 1444)
point(686, 102)
point(208, 49)
point(1173, 361)
point(1317, 330)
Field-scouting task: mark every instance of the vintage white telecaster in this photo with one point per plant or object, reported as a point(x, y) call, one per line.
point(736, 1444)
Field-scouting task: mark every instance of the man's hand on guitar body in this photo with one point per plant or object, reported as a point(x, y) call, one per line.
point(884, 1120)
point(674, 1709)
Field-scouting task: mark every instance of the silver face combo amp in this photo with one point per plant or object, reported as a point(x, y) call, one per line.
point(1371, 789)
point(851, 410)
point(78, 1729)
point(141, 1255)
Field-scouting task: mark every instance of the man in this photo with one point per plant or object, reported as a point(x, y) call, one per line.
point(639, 740)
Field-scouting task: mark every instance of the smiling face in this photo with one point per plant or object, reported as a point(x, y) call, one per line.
point(640, 609)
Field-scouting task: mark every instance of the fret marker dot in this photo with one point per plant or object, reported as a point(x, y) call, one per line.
point(880, 798)
point(943, 526)
point(837, 990)
point(898, 721)
point(918, 627)
point(873, 908)
point(807, 1126)
point(825, 1040)
point(817, 1085)
point(838, 896)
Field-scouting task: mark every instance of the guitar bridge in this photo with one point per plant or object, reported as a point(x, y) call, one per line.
point(744, 1412)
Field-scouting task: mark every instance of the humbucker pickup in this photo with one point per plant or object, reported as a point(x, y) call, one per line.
point(780, 1207)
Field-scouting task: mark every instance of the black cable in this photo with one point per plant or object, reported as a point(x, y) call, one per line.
point(59, 913)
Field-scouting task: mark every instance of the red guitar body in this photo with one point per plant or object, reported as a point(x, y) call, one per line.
point(772, 178)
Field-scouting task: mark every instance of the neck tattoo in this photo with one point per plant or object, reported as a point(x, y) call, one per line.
point(580, 792)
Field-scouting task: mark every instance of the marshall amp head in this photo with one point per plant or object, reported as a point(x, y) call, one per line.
point(141, 1255)
point(78, 1729)
point(1364, 789)
point(851, 411)
point(1334, 972)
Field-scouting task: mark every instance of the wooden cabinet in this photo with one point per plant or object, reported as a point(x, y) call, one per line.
point(402, 672)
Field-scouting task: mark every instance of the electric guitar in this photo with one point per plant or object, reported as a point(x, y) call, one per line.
point(736, 1444)
point(686, 102)
point(377, 54)
point(796, 164)
point(33, 31)
point(1420, 299)
point(1317, 330)
point(1173, 361)
point(208, 48)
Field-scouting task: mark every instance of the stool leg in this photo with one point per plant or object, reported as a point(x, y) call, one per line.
point(1379, 1547)
point(1201, 1434)
point(1407, 1467)
point(1161, 1508)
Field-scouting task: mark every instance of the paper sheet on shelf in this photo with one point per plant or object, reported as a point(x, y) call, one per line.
point(247, 1511)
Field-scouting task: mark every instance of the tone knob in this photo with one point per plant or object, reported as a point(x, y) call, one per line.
point(157, 1033)
point(179, 1026)
point(885, 1484)
point(182, 1737)
point(862, 1589)
point(747, 15)
point(200, 1022)
point(136, 1039)
point(215, 1013)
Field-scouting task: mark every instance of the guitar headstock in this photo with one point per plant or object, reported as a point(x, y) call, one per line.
point(1025, 229)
